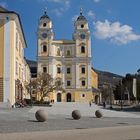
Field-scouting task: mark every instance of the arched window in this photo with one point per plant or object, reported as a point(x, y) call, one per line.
point(68, 52)
point(44, 24)
point(58, 51)
point(68, 83)
point(68, 70)
point(82, 49)
point(83, 70)
point(44, 48)
point(58, 69)
point(82, 25)
point(44, 69)
point(83, 82)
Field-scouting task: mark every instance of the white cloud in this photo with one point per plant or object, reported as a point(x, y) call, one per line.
point(63, 5)
point(115, 32)
point(90, 14)
point(66, 3)
point(4, 4)
point(74, 18)
point(96, 1)
point(58, 11)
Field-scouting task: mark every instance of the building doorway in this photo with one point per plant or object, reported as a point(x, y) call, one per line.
point(69, 97)
point(18, 91)
point(59, 97)
point(96, 99)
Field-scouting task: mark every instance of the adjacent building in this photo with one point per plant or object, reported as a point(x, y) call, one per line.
point(67, 60)
point(14, 71)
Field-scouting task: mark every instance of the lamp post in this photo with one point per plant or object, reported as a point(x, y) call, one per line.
point(121, 97)
point(110, 90)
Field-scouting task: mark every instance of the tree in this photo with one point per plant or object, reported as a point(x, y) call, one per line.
point(105, 92)
point(138, 71)
point(126, 83)
point(45, 84)
point(117, 91)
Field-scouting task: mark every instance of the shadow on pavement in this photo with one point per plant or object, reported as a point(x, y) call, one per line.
point(32, 121)
point(125, 108)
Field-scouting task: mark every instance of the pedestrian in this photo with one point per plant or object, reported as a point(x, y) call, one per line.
point(90, 103)
point(104, 105)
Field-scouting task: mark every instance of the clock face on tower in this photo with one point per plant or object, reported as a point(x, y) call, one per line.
point(82, 36)
point(44, 35)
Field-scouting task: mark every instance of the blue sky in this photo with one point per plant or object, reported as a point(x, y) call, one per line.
point(114, 25)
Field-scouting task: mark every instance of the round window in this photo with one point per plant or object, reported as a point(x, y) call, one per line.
point(83, 95)
point(82, 25)
point(44, 24)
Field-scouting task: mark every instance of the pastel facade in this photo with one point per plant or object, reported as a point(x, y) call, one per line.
point(69, 60)
point(96, 92)
point(94, 79)
point(14, 70)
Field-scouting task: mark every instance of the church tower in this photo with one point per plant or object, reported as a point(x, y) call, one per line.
point(82, 40)
point(66, 60)
point(45, 37)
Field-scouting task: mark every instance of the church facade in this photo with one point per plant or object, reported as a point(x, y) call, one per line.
point(67, 60)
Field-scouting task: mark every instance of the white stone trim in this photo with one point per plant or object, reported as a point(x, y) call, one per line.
point(63, 74)
point(54, 71)
point(89, 47)
point(73, 75)
point(77, 76)
point(50, 68)
point(77, 48)
point(89, 75)
point(73, 51)
point(7, 61)
point(14, 67)
point(54, 50)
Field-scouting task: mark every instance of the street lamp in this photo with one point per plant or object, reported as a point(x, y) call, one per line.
point(121, 97)
point(110, 90)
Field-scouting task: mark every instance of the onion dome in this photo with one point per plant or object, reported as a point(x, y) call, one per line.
point(81, 17)
point(45, 16)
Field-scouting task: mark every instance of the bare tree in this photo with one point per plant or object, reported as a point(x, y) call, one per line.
point(45, 84)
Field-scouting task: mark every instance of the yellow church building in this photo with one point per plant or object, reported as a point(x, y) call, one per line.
point(14, 71)
point(67, 60)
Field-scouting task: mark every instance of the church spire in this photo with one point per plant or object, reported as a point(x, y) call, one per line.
point(81, 11)
point(45, 10)
point(81, 17)
point(45, 16)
